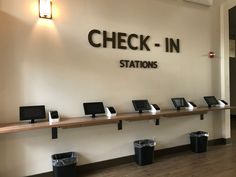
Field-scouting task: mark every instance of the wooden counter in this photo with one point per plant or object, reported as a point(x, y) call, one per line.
point(100, 120)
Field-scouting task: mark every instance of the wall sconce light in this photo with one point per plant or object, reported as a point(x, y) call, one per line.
point(45, 9)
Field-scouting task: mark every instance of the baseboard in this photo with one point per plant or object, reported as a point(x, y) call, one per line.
point(128, 159)
point(227, 141)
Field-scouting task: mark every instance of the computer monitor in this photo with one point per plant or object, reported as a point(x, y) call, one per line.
point(179, 103)
point(94, 108)
point(32, 113)
point(211, 101)
point(141, 105)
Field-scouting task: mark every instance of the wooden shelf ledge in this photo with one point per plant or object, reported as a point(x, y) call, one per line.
point(101, 120)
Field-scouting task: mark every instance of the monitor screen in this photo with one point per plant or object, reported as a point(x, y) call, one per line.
point(112, 110)
point(141, 105)
point(94, 108)
point(211, 100)
point(179, 102)
point(32, 112)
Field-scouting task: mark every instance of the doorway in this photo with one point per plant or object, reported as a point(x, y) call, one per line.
point(232, 67)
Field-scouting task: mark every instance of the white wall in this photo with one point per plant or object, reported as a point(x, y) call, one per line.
point(52, 63)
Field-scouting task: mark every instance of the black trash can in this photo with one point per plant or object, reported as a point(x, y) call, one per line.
point(144, 151)
point(199, 141)
point(64, 164)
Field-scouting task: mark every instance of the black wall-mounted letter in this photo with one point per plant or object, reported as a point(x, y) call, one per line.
point(174, 45)
point(167, 44)
point(90, 38)
point(122, 65)
point(121, 40)
point(130, 37)
point(155, 64)
point(109, 39)
point(143, 42)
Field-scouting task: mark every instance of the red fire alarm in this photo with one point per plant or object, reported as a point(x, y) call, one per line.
point(211, 54)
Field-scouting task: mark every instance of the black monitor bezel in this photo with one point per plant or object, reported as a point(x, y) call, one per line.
point(32, 119)
point(176, 105)
point(86, 112)
point(206, 98)
point(143, 109)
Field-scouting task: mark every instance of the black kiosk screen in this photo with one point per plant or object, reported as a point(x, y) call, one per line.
point(94, 108)
point(54, 114)
point(179, 102)
point(141, 105)
point(112, 109)
point(32, 113)
point(211, 100)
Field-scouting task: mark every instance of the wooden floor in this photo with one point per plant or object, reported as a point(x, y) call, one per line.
point(219, 161)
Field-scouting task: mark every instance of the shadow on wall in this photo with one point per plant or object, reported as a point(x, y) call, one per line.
point(11, 66)
point(12, 32)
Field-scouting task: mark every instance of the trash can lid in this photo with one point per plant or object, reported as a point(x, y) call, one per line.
point(199, 134)
point(64, 159)
point(144, 143)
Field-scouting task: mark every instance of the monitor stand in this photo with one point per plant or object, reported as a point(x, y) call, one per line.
point(178, 108)
point(140, 111)
point(32, 121)
point(93, 115)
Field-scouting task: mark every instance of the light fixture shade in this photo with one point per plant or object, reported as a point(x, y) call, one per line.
point(45, 9)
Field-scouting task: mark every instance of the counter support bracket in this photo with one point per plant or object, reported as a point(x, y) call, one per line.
point(157, 122)
point(54, 133)
point(202, 117)
point(119, 125)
